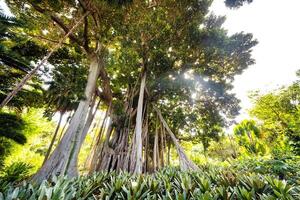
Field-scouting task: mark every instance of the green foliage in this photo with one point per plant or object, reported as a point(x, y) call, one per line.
point(249, 136)
point(226, 148)
point(38, 131)
point(66, 87)
point(15, 172)
point(11, 130)
point(12, 127)
point(166, 184)
point(279, 113)
point(285, 168)
point(17, 54)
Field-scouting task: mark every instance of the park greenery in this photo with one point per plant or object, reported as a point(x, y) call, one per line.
point(121, 99)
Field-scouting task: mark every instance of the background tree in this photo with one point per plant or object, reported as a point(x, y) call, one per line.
point(279, 113)
point(249, 136)
point(16, 54)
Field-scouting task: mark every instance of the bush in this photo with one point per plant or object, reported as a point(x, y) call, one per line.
point(283, 168)
point(15, 172)
point(211, 183)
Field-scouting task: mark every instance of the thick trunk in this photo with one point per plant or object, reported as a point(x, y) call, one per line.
point(88, 161)
point(95, 154)
point(90, 118)
point(64, 127)
point(138, 129)
point(74, 161)
point(54, 137)
point(59, 161)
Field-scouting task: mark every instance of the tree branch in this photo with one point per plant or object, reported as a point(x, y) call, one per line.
point(58, 21)
point(46, 39)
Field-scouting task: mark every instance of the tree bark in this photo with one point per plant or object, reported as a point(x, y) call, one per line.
point(96, 152)
point(64, 127)
point(161, 155)
point(61, 114)
point(59, 161)
point(95, 142)
point(138, 129)
point(89, 120)
point(155, 150)
point(169, 152)
point(146, 150)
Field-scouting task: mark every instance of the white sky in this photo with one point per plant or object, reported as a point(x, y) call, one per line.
point(4, 7)
point(276, 25)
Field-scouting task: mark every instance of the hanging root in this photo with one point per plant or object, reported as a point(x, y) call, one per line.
point(185, 162)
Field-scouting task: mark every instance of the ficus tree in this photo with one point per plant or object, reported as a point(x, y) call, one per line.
point(137, 55)
point(175, 69)
point(90, 40)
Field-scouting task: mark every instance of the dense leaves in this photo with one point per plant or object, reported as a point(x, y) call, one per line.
point(16, 56)
point(11, 130)
point(279, 112)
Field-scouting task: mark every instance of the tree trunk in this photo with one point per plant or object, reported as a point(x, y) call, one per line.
point(96, 138)
point(61, 114)
point(59, 161)
point(169, 152)
point(155, 150)
point(234, 153)
point(161, 155)
point(89, 120)
point(64, 127)
point(138, 128)
point(96, 152)
point(146, 150)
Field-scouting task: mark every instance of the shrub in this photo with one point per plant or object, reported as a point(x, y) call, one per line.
point(168, 183)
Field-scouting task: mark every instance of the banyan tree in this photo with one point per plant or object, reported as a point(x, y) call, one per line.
point(152, 65)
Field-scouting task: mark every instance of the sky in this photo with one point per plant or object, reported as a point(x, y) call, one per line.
point(3, 6)
point(275, 24)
